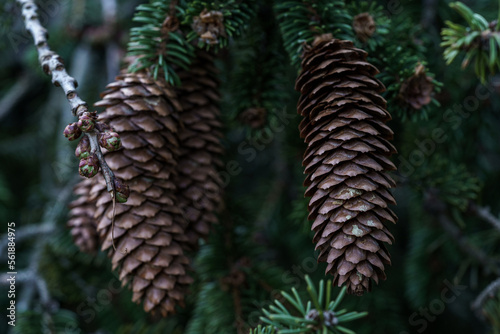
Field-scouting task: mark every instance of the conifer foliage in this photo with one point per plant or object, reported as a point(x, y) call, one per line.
point(346, 157)
point(201, 127)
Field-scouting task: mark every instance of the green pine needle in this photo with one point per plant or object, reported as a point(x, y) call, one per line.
point(160, 54)
point(302, 320)
point(479, 43)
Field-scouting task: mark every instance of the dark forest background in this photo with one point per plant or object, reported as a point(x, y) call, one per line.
point(447, 247)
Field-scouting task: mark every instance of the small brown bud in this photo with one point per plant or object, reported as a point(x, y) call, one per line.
point(364, 26)
point(83, 149)
point(89, 166)
point(86, 122)
point(122, 190)
point(110, 141)
point(209, 26)
point(416, 91)
point(72, 132)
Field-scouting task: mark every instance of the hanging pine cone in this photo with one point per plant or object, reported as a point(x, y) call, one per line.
point(149, 227)
point(416, 91)
point(81, 218)
point(364, 26)
point(255, 117)
point(199, 185)
point(346, 157)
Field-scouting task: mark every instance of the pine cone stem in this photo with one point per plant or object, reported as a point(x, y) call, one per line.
point(108, 174)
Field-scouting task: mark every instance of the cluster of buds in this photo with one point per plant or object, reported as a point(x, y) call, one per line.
point(89, 162)
point(86, 123)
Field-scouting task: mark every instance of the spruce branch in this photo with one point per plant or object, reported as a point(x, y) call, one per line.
point(449, 181)
point(214, 23)
point(26, 276)
point(466, 246)
point(52, 64)
point(27, 232)
point(480, 41)
point(410, 84)
point(487, 293)
point(263, 330)
point(301, 21)
point(319, 314)
point(485, 214)
point(159, 43)
point(30, 277)
point(15, 94)
point(439, 208)
point(370, 25)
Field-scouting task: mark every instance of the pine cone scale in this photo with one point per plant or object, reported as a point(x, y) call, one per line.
point(81, 218)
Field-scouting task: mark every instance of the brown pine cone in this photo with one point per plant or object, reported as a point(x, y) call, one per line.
point(364, 26)
point(198, 182)
point(81, 218)
point(346, 159)
point(149, 227)
point(416, 91)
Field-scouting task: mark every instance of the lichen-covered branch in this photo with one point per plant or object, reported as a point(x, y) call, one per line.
point(486, 215)
point(26, 232)
point(487, 293)
point(52, 64)
point(466, 246)
point(439, 209)
point(17, 92)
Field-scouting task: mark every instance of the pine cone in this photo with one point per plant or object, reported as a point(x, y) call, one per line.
point(416, 91)
point(149, 226)
point(364, 26)
point(346, 157)
point(209, 26)
point(255, 117)
point(199, 185)
point(81, 218)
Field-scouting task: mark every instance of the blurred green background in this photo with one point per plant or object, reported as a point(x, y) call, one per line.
point(441, 239)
